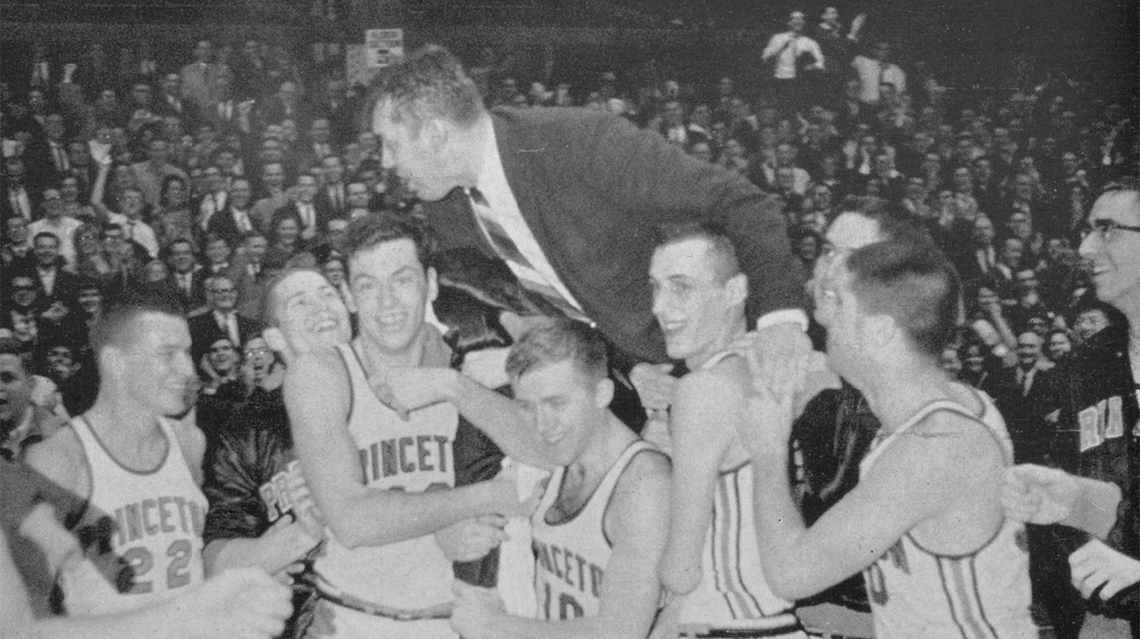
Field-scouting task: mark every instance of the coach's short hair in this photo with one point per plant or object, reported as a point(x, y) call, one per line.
point(561, 340)
point(429, 84)
point(114, 325)
point(377, 228)
point(720, 243)
point(914, 283)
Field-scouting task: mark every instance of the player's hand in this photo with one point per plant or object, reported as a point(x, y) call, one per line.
point(243, 603)
point(1038, 495)
point(654, 385)
point(285, 542)
point(777, 375)
point(471, 539)
point(503, 497)
point(475, 612)
point(1102, 571)
point(406, 390)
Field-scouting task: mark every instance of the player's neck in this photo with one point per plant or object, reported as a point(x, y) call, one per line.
point(121, 424)
point(610, 441)
point(719, 345)
point(377, 359)
point(896, 393)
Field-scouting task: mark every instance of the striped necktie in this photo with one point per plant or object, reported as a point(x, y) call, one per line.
point(531, 279)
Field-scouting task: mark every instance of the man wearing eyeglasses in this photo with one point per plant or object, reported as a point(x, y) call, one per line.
point(221, 320)
point(1098, 444)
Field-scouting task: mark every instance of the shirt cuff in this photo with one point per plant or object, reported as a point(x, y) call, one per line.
point(785, 315)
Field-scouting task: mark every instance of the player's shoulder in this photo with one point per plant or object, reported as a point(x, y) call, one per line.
point(60, 458)
point(641, 494)
point(725, 378)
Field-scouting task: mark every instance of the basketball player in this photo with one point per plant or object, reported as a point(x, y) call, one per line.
point(236, 603)
point(601, 523)
point(135, 467)
point(925, 521)
point(699, 293)
point(384, 481)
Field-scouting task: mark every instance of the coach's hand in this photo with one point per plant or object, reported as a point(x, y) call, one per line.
point(471, 539)
point(1102, 571)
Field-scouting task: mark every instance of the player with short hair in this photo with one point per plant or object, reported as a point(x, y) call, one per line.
point(601, 522)
point(699, 295)
point(925, 521)
point(134, 464)
point(384, 480)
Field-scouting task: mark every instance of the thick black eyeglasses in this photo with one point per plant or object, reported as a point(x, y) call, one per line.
point(1107, 229)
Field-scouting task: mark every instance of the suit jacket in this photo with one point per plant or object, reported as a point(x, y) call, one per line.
point(592, 188)
point(197, 296)
point(204, 331)
point(326, 208)
point(223, 223)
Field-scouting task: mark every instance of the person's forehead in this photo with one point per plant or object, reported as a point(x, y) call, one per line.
point(299, 283)
point(1120, 206)
point(689, 257)
point(386, 258)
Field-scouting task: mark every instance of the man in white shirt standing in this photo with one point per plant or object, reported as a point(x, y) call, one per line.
point(786, 51)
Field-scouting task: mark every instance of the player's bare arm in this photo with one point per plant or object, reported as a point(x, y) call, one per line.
point(635, 524)
point(707, 405)
point(936, 475)
point(318, 408)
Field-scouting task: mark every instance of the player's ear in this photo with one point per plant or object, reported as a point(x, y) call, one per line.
point(884, 329)
point(432, 284)
point(737, 288)
point(603, 392)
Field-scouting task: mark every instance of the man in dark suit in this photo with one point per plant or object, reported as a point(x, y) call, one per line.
point(233, 222)
point(332, 199)
point(570, 198)
point(220, 320)
point(19, 199)
point(186, 276)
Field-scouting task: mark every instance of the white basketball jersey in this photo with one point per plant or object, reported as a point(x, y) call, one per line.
point(915, 592)
point(733, 593)
point(413, 456)
point(571, 556)
point(141, 531)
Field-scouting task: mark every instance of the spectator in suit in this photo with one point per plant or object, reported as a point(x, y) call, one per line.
point(170, 100)
point(233, 221)
point(150, 175)
point(186, 275)
point(130, 220)
point(58, 288)
point(199, 77)
point(18, 200)
point(220, 320)
point(332, 201)
point(55, 222)
point(271, 194)
point(16, 250)
point(216, 252)
point(248, 274)
point(311, 219)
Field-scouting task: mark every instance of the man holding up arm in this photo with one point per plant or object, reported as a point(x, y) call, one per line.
point(384, 485)
point(925, 522)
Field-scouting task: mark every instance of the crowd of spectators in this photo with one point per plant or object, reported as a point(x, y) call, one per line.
point(210, 176)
